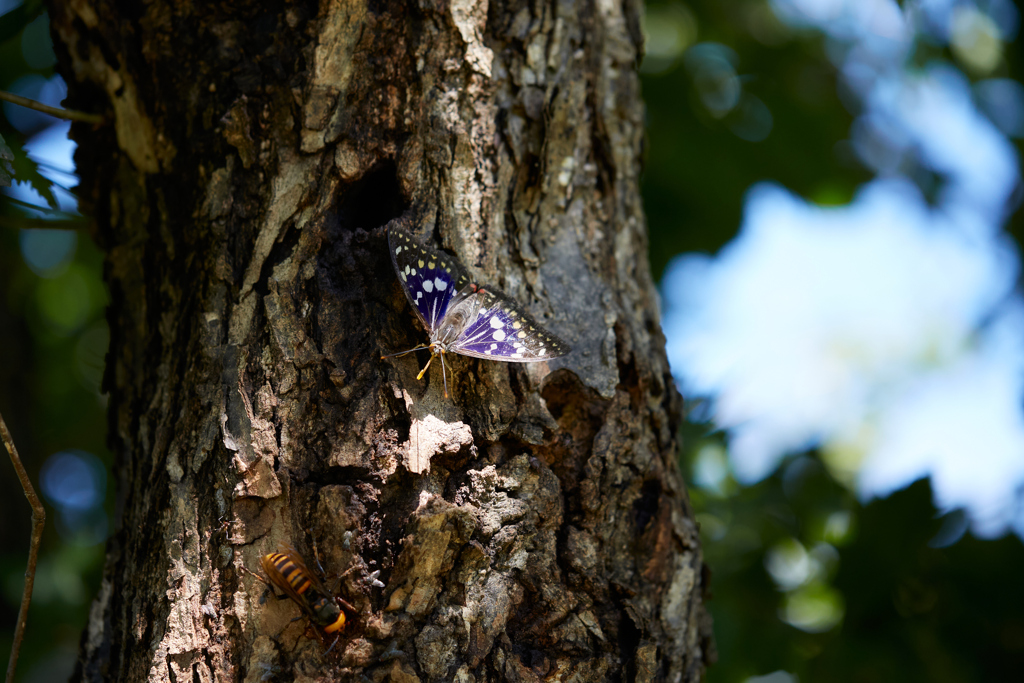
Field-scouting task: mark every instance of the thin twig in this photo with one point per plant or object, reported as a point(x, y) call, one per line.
point(26, 205)
point(54, 220)
point(69, 114)
point(27, 222)
point(38, 521)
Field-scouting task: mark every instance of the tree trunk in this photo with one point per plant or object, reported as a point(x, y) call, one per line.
point(533, 526)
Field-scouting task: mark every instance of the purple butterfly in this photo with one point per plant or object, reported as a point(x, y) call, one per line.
point(461, 316)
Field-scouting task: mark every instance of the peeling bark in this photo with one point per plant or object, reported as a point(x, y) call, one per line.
point(532, 527)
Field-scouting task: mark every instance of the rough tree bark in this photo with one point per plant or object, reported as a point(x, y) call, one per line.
point(533, 526)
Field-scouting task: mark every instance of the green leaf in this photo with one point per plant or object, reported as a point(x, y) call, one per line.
point(27, 170)
point(6, 169)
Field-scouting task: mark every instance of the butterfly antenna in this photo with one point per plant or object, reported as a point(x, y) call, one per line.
point(402, 353)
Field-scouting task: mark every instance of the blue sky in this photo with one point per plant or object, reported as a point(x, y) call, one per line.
point(889, 332)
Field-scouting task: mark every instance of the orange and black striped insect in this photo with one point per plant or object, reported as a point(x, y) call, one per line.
point(287, 572)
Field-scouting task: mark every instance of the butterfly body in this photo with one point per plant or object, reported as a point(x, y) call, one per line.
point(461, 316)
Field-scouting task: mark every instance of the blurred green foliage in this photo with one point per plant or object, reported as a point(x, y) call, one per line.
point(53, 338)
point(808, 583)
point(697, 169)
point(25, 18)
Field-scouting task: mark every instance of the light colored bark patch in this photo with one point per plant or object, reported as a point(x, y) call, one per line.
point(255, 447)
point(469, 17)
point(294, 179)
point(430, 436)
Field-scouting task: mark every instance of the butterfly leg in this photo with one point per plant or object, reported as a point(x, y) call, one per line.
point(444, 374)
point(424, 370)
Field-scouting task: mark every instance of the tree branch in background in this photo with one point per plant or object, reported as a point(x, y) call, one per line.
point(48, 220)
point(38, 521)
point(28, 223)
point(69, 114)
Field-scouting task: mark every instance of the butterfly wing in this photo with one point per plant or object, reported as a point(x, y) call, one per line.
point(429, 277)
point(502, 330)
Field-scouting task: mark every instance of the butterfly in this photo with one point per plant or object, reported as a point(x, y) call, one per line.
point(461, 316)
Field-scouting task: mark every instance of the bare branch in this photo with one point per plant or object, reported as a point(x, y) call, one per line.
point(38, 521)
point(69, 114)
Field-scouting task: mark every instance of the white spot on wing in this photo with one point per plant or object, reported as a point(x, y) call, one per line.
point(499, 335)
point(440, 284)
point(497, 324)
point(428, 286)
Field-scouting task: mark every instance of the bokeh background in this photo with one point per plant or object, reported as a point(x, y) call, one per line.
point(832, 189)
point(53, 339)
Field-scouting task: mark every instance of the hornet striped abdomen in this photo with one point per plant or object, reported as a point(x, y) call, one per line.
point(287, 572)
